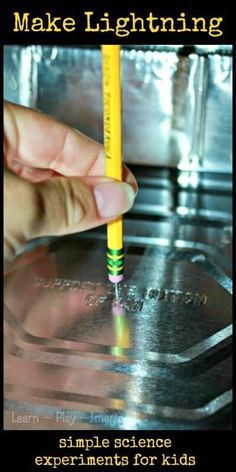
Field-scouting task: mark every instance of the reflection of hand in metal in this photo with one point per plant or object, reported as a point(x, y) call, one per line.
point(51, 338)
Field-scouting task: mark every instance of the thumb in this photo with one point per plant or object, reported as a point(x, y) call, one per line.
point(60, 205)
point(76, 204)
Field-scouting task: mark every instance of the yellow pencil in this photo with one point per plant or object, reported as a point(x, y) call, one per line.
point(113, 152)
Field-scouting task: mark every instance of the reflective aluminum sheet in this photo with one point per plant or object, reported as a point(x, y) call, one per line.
point(177, 100)
point(158, 358)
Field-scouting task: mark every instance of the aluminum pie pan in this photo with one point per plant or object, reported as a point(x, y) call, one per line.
point(164, 358)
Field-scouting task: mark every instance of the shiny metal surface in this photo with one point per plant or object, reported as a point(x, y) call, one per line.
point(177, 100)
point(161, 359)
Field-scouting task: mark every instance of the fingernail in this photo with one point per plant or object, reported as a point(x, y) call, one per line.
point(113, 199)
point(130, 179)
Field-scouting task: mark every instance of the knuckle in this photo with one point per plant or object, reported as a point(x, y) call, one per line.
point(62, 206)
point(74, 210)
point(39, 199)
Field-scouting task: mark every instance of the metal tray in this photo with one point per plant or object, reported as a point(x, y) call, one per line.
point(158, 359)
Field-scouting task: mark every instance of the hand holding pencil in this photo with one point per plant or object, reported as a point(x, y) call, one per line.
point(54, 180)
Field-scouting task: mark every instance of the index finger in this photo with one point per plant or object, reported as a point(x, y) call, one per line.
point(38, 141)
